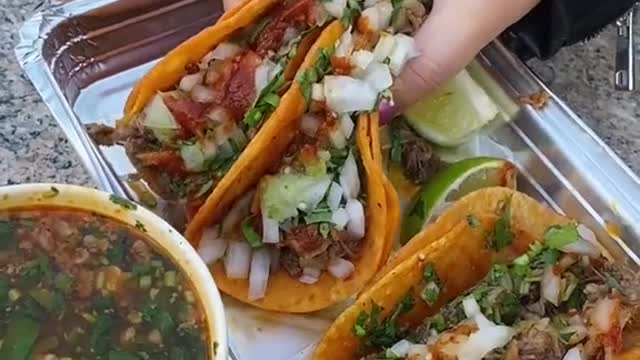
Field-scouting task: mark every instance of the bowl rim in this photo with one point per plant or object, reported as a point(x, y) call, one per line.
point(164, 236)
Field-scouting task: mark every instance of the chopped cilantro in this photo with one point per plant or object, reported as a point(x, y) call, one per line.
point(473, 221)
point(122, 202)
point(100, 339)
point(351, 12)
point(118, 252)
point(250, 235)
point(396, 141)
point(314, 74)
point(502, 235)
point(382, 333)
point(397, 6)
point(36, 271)
point(559, 236)
point(140, 226)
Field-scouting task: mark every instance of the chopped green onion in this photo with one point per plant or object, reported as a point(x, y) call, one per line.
point(170, 279)
point(14, 295)
point(253, 238)
point(145, 282)
point(430, 293)
point(323, 216)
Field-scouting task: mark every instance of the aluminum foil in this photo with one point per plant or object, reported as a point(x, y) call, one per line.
point(84, 57)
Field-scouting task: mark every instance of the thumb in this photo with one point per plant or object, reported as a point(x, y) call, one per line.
point(452, 35)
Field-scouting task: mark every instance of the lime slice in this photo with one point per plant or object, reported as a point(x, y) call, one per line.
point(455, 111)
point(452, 183)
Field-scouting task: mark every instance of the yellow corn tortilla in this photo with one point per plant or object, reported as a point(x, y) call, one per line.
point(461, 258)
point(171, 68)
point(486, 201)
point(284, 293)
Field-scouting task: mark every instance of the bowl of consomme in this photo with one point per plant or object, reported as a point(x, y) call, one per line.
point(88, 275)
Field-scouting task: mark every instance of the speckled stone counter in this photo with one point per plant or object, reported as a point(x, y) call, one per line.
point(33, 148)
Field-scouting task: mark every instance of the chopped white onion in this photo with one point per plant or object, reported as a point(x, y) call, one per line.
point(317, 92)
point(551, 286)
point(270, 230)
point(349, 178)
point(345, 44)
point(360, 59)
point(604, 314)
point(378, 76)
point(310, 275)
point(356, 224)
point(309, 124)
point(582, 247)
point(259, 275)
point(211, 247)
point(289, 34)
point(340, 218)
point(335, 7)
point(334, 196)
point(574, 354)
point(587, 234)
point(237, 213)
point(264, 73)
point(338, 140)
point(157, 115)
point(190, 80)
point(399, 350)
point(418, 351)
point(237, 260)
point(378, 17)
point(488, 337)
point(341, 268)
point(384, 47)
point(346, 94)
point(346, 125)
point(202, 94)
point(404, 49)
point(225, 51)
point(369, 3)
point(219, 115)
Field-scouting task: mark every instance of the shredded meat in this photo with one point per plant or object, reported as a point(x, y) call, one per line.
point(419, 161)
point(538, 340)
point(84, 281)
point(341, 65)
point(291, 13)
point(290, 262)
point(141, 252)
point(188, 114)
point(169, 161)
point(306, 241)
point(241, 88)
point(101, 134)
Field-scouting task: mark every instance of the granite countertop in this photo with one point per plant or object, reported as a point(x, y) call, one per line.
point(33, 148)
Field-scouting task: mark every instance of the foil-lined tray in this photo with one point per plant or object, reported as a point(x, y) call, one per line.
point(84, 57)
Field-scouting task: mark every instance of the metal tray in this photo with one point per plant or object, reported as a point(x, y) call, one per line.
point(84, 56)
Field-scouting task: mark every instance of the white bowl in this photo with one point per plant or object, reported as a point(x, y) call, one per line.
point(165, 239)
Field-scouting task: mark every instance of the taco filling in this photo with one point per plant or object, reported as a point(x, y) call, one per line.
point(189, 136)
point(561, 300)
point(308, 217)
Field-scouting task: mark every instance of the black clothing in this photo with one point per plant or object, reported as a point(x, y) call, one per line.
point(557, 23)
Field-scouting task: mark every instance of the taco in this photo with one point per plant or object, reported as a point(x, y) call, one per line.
point(496, 288)
point(188, 120)
point(313, 203)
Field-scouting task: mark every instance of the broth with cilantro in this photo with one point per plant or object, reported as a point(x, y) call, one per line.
point(75, 286)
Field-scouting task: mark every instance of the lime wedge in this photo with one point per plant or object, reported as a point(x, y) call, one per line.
point(455, 111)
point(452, 183)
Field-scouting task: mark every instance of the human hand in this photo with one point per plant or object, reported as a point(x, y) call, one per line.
point(454, 32)
point(452, 35)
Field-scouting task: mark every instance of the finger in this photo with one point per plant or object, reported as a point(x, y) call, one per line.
point(450, 38)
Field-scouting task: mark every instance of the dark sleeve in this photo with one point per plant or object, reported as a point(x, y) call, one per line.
point(554, 24)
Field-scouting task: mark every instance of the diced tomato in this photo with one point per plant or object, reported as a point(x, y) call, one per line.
point(188, 114)
point(341, 65)
point(309, 154)
point(291, 13)
point(169, 161)
point(241, 90)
